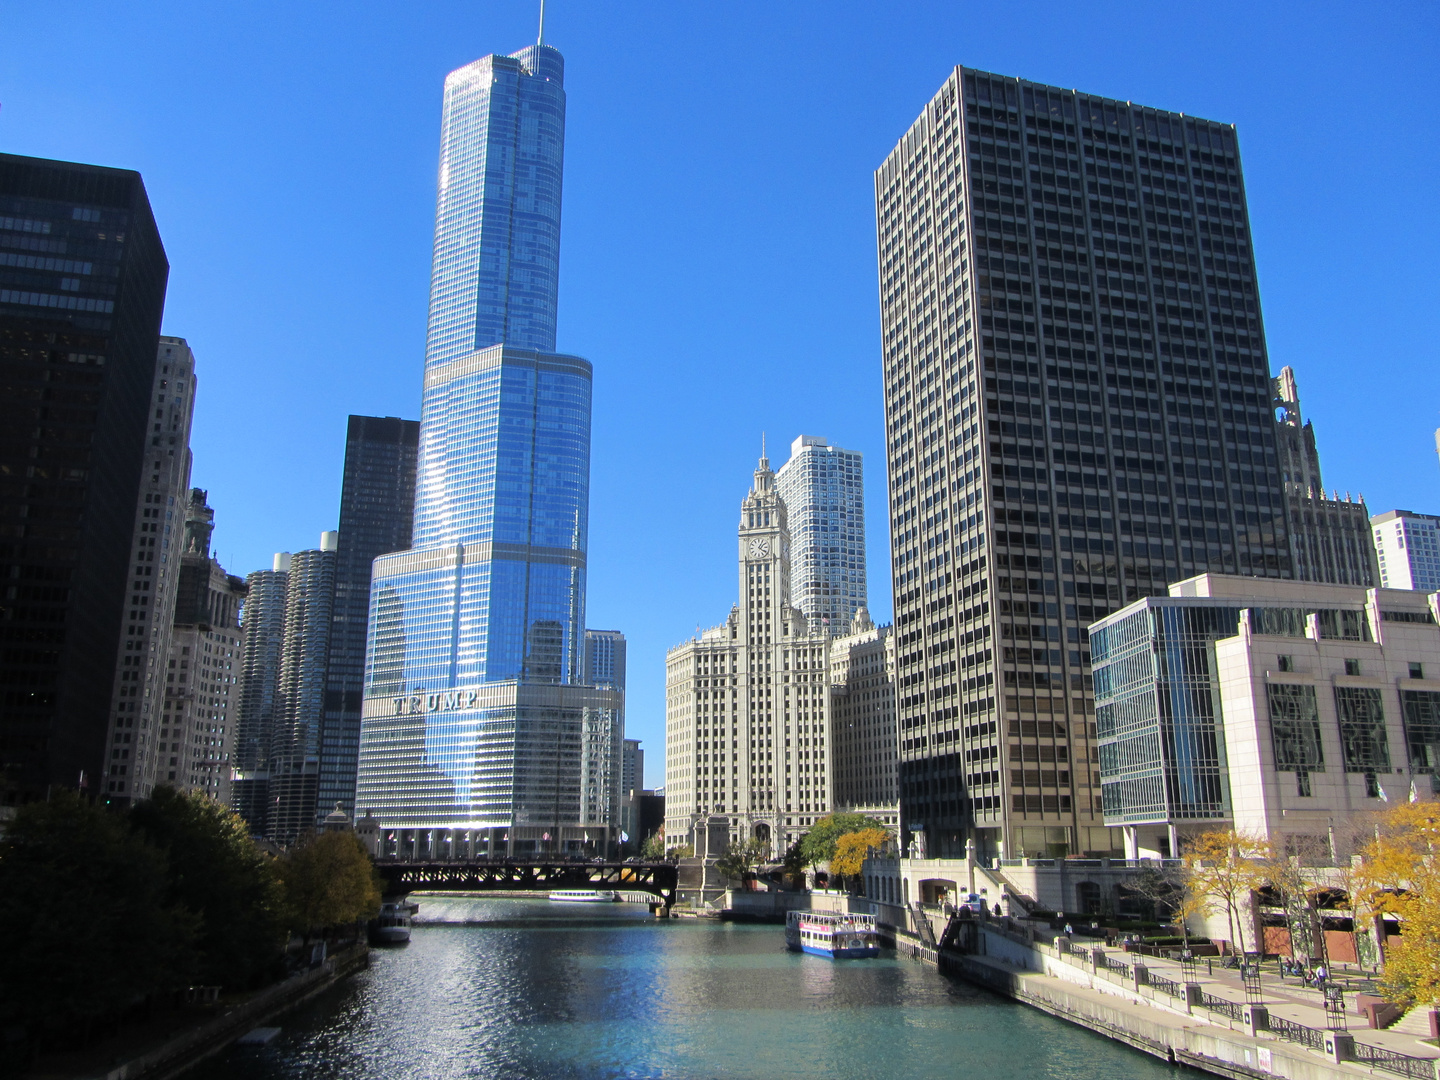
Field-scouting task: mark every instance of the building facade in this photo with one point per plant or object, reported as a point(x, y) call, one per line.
point(377, 508)
point(202, 692)
point(477, 723)
point(259, 693)
point(823, 488)
point(747, 702)
point(632, 766)
point(294, 752)
point(139, 698)
point(1077, 403)
point(1283, 709)
point(1407, 546)
point(863, 744)
point(605, 658)
point(1329, 538)
point(82, 288)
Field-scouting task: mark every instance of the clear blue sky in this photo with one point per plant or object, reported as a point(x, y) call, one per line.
point(718, 258)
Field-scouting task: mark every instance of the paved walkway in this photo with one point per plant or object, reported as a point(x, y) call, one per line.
point(1286, 998)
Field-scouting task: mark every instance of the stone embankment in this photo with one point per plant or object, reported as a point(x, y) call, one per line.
point(191, 1047)
point(1185, 1016)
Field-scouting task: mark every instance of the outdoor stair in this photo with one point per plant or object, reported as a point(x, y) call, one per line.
point(1415, 1022)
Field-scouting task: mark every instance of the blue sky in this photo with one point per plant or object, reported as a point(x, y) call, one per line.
point(718, 260)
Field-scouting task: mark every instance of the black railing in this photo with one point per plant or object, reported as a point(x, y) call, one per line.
point(1121, 969)
point(1377, 1057)
point(1281, 1028)
point(1165, 986)
point(1232, 1009)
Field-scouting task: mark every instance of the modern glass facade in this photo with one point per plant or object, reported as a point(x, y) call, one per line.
point(476, 711)
point(823, 487)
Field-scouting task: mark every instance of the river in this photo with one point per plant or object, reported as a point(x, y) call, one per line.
point(526, 988)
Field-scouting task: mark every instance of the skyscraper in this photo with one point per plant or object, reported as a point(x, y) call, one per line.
point(135, 733)
point(747, 702)
point(197, 726)
point(1329, 538)
point(475, 718)
point(377, 508)
point(1407, 545)
point(862, 719)
point(260, 703)
point(1077, 404)
point(82, 287)
point(824, 491)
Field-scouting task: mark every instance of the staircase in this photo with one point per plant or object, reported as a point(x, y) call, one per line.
point(922, 926)
point(1416, 1022)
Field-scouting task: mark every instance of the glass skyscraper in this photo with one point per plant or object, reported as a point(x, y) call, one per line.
point(823, 488)
point(476, 717)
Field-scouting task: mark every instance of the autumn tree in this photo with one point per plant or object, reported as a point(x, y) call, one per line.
point(818, 845)
point(329, 881)
point(1222, 871)
point(217, 872)
point(1399, 875)
point(851, 847)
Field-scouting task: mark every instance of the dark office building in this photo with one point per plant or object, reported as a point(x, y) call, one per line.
point(82, 288)
point(1077, 413)
point(377, 508)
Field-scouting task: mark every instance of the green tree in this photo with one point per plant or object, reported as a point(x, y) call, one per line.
point(92, 926)
point(739, 859)
point(217, 872)
point(818, 845)
point(794, 862)
point(329, 881)
point(654, 846)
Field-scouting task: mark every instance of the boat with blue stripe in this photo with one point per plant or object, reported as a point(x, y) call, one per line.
point(833, 934)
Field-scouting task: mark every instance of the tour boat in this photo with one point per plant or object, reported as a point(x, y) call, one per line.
point(392, 925)
point(831, 934)
point(584, 896)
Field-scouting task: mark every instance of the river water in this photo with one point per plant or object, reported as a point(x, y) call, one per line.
point(526, 988)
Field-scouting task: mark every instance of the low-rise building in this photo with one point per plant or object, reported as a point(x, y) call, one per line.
point(1280, 708)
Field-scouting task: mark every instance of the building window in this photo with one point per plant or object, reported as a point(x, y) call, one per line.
point(1352, 667)
point(1286, 663)
point(1417, 671)
point(1362, 729)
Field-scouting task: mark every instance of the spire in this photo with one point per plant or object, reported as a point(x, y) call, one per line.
point(541, 39)
point(764, 460)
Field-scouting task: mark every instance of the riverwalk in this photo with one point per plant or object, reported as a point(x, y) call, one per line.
point(1191, 1015)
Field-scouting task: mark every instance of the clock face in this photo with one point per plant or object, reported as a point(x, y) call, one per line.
point(759, 548)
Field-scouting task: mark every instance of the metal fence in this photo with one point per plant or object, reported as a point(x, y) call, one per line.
point(1377, 1057)
point(1232, 1009)
point(1165, 986)
point(1119, 968)
point(1314, 1038)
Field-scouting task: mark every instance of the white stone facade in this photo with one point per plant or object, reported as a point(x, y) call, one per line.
point(746, 715)
point(863, 740)
point(823, 488)
point(1408, 547)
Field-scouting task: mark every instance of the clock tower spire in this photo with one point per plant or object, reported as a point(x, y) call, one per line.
point(764, 558)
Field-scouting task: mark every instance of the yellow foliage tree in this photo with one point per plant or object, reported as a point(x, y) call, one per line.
point(329, 881)
point(1399, 874)
point(850, 850)
point(1222, 870)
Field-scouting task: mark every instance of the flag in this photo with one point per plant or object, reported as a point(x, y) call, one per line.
point(624, 836)
point(546, 836)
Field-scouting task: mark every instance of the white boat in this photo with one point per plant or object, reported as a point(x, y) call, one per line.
point(836, 935)
point(392, 925)
point(585, 896)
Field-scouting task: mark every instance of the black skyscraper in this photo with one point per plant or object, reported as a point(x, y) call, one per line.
point(82, 288)
point(377, 506)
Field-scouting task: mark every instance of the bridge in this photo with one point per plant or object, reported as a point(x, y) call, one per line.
point(660, 879)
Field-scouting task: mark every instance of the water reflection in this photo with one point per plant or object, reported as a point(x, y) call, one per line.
point(531, 989)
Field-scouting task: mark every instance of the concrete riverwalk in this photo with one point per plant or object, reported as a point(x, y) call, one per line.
point(1188, 1015)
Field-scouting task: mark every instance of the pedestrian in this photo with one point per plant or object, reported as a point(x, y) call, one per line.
point(1069, 930)
point(1321, 975)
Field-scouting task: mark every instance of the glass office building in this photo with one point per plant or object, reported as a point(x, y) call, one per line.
point(477, 721)
point(823, 487)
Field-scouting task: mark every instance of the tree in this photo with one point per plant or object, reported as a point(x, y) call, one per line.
point(1222, 871)
point(217, 872)
point(1399, 874)
point(1298, 894)
point(818, 845)
point(851, 847)
point(93, 927)
point(329, 881)
point(654, 845)
point(739, 859)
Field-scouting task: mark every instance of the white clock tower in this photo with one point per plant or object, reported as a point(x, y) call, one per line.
point(747, 702)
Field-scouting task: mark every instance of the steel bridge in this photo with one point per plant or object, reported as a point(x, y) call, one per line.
point(660, 879)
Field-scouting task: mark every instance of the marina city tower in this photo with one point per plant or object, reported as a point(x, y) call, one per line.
point(478, 732)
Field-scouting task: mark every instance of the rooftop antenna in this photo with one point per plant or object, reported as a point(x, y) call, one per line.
point(541, 39)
